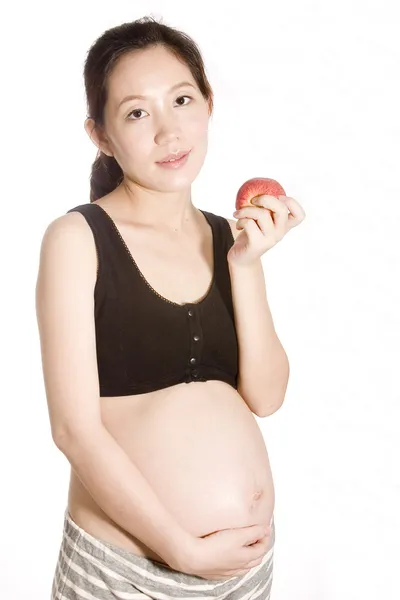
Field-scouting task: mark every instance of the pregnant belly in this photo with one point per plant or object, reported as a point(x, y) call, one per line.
point(201, 450)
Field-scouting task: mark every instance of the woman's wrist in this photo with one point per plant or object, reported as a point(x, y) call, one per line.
point(181, 552)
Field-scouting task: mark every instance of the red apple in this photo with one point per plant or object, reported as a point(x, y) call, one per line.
point(258, 186)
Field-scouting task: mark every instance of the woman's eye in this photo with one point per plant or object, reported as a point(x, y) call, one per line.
point(137, 110)
point(190, 97)
point(140, 110)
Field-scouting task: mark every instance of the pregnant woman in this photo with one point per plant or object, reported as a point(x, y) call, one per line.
point(158, 347)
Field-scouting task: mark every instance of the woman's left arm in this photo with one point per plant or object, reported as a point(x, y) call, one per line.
point(263, 364)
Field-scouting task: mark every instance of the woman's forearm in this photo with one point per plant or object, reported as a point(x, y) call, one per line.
point(263, 364)
point(121, 491)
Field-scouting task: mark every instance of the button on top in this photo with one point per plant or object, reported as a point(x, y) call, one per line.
point(190, 312)
point(196, 338)
point(192, 360)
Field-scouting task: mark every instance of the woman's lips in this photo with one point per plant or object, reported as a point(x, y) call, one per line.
point(175, 164)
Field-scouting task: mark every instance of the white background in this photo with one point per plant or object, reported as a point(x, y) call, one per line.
point(307, 93)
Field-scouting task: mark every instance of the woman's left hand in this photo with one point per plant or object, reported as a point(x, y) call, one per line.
point(263, 225)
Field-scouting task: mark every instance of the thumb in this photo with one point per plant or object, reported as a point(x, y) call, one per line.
point(254, 533)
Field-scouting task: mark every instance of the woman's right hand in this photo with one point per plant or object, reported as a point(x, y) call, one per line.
point(228, 552)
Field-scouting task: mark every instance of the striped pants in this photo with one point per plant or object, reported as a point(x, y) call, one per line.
point(92, 569)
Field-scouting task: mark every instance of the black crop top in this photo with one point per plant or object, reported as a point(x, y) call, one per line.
point(145, 342)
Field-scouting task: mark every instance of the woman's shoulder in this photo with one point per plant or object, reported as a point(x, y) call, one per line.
point(67, 233)
point(231, 222)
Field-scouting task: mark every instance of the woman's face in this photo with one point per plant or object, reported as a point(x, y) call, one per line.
point(141, 132)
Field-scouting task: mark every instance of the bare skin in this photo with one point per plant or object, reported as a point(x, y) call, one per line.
point(198, 444)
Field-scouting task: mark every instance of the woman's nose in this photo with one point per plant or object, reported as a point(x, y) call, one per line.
point(167, 128)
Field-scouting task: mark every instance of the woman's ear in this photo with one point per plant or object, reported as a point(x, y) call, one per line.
point(98, 137)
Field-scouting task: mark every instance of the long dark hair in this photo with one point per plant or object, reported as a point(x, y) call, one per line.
point(103, 55)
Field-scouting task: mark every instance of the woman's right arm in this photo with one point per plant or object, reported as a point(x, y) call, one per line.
point(65, 315)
